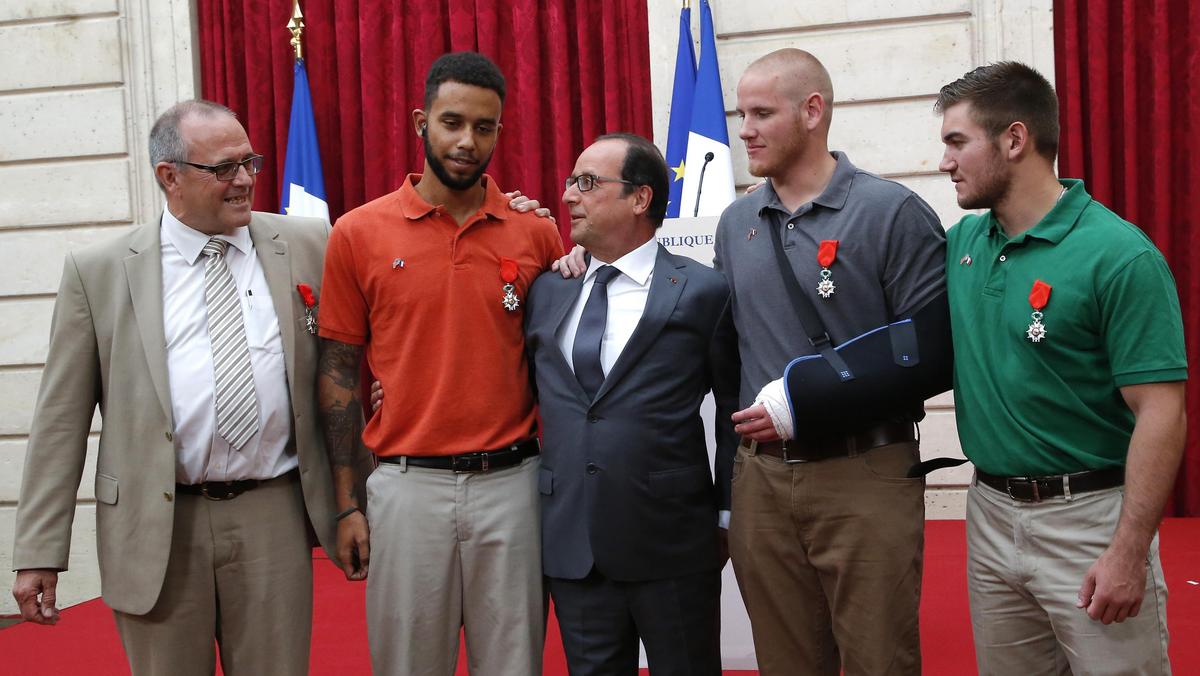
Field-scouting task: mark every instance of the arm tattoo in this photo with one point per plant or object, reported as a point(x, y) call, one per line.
point(341, 411)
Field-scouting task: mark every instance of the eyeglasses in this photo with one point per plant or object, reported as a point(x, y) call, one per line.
point(227, 171)
point(586, 182)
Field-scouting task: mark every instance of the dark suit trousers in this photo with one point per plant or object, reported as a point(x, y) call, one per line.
point(678, 620)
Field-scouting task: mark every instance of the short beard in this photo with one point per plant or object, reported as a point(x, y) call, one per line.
point(990, 189)
point(444, 176)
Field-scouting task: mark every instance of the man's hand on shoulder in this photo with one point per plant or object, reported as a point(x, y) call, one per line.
point(35, 592)
point(571, 265)
point(523, 204)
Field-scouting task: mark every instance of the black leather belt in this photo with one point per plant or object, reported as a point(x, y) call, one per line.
point(226, 490)
point(475, 461)
point(1038, 488)
point(823, 448)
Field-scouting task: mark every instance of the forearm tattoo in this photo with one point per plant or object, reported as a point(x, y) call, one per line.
point(338, 401)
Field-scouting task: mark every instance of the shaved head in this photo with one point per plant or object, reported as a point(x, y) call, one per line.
point(799, 74)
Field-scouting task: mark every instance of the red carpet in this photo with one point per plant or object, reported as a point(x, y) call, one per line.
point(85, 641)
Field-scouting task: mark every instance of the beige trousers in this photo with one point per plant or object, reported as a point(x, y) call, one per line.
point(1025, 564)
point(449, 552)
point(239, 575)
point(828, 559)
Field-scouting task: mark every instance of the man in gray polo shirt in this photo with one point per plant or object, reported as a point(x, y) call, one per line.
point(828, 552)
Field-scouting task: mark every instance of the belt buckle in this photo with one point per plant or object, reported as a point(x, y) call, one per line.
point(789, 460)
point(1033, 484)
point(461, 464)
point(226, 493)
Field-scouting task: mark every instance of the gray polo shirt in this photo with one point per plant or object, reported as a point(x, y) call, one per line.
point(891, 260)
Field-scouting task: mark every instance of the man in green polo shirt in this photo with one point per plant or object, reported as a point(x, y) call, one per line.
point(1069, 392)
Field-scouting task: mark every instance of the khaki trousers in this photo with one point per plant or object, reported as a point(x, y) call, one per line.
point(451, 551)
point(239, 575)
point(1025, 564)
point(828, 559)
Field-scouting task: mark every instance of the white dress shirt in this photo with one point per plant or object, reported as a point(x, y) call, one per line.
point(200, 453)
point(627, 293)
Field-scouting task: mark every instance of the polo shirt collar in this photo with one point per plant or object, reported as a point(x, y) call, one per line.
point(1059, 221)
point(638, 264)
point(414, 207)
point(833, 197)
point(190, 242)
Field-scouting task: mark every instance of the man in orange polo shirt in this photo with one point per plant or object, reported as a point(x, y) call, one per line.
point(429, 283)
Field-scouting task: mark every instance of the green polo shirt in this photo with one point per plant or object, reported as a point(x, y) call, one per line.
point(1113, 319)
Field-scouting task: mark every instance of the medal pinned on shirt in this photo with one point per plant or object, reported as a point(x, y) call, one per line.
point(310, 307)
point(508, 274)
point(1038, 297)
point(826, 255)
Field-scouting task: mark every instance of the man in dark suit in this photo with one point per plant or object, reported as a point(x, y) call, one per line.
point(190, 336)
point(622, 358)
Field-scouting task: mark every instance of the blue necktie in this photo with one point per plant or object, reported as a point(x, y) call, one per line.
point(585, 353)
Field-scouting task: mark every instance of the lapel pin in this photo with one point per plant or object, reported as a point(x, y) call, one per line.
point(750, 235)
point(674, 281)
point(397, 263)
point(965, 260)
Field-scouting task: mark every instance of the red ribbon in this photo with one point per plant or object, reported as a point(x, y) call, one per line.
point(827, 253)
point(508, 270)
point(1040, 295)
point(306, 295)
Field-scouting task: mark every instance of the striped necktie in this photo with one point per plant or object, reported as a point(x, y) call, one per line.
point(233, 378)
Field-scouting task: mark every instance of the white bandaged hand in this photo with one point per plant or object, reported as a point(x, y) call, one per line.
point(773, 397)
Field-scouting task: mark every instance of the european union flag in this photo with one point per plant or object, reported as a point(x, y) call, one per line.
point(708, 184)
point(681, 109)
point(303, 180)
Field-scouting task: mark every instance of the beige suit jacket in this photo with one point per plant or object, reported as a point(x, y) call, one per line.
point(108, 349)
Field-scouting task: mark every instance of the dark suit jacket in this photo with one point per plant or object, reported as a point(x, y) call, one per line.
point(107, 349)
point(625, 482)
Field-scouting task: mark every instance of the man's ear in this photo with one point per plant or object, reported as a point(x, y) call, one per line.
point(644, 194)
point(1016, 141)
point(814, 110)
point(419, 120)
point(167, 174)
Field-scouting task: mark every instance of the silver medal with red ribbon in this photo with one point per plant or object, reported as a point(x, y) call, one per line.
point(508, 274)
point(1038, 297)
point(826, 255)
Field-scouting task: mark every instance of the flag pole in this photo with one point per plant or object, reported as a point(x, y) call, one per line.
point(296, 26)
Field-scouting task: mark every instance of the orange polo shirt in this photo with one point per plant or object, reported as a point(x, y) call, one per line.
point(424, 295)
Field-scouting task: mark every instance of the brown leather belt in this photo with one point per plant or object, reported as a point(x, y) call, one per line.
point(1038, 488)
point(812, 449)
point(228, 490)
point(475, 461)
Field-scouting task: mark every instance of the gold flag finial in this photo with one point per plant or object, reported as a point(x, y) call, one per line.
point(296, 26)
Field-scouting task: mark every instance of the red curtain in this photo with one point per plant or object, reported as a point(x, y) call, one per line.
point(574, 71)
point(1128, 77)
